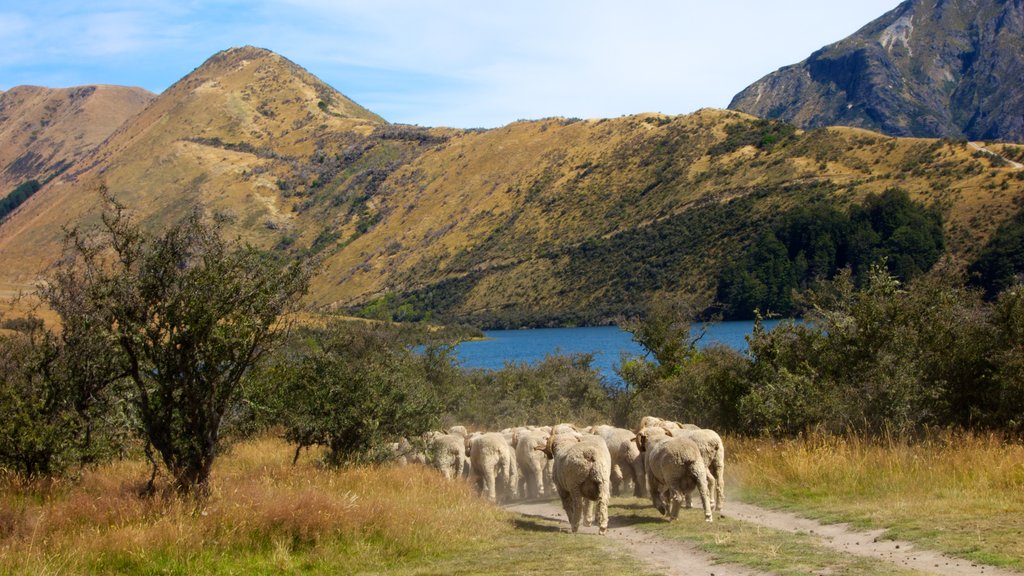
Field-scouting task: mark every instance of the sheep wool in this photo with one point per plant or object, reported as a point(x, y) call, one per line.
point(582, 470)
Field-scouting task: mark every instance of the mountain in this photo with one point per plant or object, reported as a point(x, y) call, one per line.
point(928, 68)
point(43, 131)
point(554, 221)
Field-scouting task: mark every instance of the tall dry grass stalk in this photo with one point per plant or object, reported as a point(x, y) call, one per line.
point(259, 503)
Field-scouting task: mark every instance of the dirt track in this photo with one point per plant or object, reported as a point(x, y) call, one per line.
point(673, 558)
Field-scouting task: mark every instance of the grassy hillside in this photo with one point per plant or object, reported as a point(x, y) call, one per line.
point(544, 222)
point(43, 131)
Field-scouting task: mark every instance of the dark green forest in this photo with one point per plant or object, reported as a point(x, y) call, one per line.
point(813, 243)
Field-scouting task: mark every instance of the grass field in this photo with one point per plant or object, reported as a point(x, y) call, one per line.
point(267, 517)
point(957, 493)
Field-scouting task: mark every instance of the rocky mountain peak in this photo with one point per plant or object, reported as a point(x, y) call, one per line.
point(927, 68)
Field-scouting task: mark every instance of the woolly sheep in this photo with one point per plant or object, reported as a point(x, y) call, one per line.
point(627, 461)
point(674, 468)
point(531, 461)
point(492, 462)
point(563, 428)
point(582, 471)
point(403, 452)
point(447, 453)
point(712, 450)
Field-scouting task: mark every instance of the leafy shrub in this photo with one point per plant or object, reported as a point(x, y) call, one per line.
point(354, 387)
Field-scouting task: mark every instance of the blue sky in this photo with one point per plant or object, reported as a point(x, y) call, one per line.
point(461, 63)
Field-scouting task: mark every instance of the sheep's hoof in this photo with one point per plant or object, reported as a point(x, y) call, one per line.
point(708, 518)
point(603, 530)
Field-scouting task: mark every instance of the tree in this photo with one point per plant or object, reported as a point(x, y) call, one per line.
point(353, 387)
point(183, 316)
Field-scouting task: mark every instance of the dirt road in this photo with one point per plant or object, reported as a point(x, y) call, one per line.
point(673, 558)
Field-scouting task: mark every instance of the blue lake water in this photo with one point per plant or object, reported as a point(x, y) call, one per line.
point(607, 343)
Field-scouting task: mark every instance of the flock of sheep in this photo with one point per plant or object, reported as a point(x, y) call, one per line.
point(584, 466)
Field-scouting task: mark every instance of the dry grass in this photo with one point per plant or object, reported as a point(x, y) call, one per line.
point(261, 508)
point(265, 516)
point(956, 492)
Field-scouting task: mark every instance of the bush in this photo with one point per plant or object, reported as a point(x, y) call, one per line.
point(354, 387)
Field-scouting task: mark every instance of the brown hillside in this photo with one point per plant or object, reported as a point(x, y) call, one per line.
point(222, 136)
point(549, 221)
point(45, 130)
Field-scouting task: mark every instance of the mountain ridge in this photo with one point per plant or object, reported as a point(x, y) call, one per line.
point(546, 222)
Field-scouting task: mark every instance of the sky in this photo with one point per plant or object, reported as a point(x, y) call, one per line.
point(458, 63)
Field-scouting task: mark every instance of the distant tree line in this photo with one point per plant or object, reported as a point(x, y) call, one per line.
point(813, 243)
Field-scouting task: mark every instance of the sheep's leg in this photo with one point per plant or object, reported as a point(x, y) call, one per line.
point(490, 485)
point(673, 497)
point(719, 485)
point(701, 474)
point(575, 509)
point(640, 477)
point(655, 491)
point(602, 510)
point(588, 512)
point(617, 479)
point(533, 482)
point(712, 486)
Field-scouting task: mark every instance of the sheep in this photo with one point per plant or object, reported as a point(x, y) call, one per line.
point(712, 450)
point(403, 452)
point(460, 430)
point(447, 453)
point(674, 468)
point(652, 421)
point(627, 461)
point(582, 471)
point(563, 428)
point(492, 461)
point(531, 462)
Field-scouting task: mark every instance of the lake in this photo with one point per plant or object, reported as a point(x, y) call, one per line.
point(607, 343)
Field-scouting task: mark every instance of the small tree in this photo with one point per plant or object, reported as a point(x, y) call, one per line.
point(183, 316)
point(353, 388)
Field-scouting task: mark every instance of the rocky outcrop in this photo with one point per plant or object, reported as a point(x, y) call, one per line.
point(928, 68)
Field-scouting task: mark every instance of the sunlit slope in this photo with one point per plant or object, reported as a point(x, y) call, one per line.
point(544, 222)
point(45, 130)
point(558, 221)
point(223, 136)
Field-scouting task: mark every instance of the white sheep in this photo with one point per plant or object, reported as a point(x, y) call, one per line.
point(564, 428)
point(447, 453)
point(532, 462)
point(712, 450)
point(674, 468)
point(582, 471)
point(627, 461)
point(652, 421)
point(492, 462)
